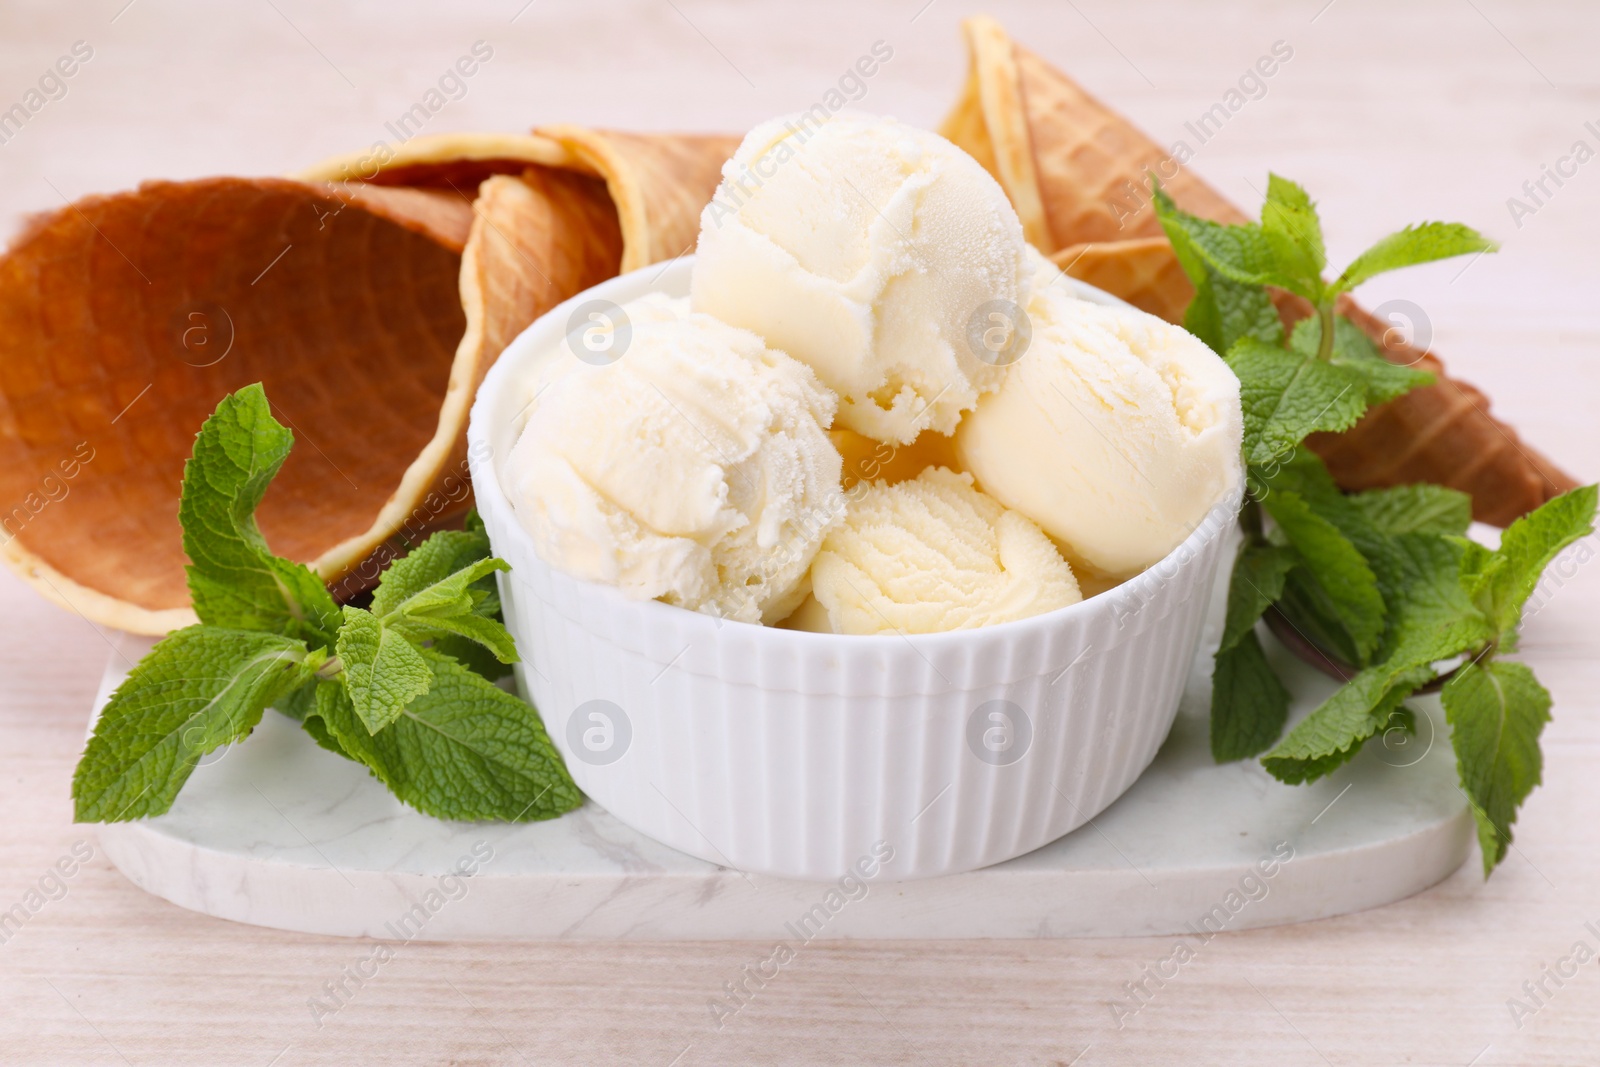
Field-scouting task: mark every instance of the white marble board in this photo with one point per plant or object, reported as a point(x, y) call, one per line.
point(277, 832)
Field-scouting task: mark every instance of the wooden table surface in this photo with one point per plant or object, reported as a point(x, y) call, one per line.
point(1388, 112)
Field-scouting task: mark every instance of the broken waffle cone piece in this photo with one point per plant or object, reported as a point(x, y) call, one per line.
point(369, 294)
point(1079, 176)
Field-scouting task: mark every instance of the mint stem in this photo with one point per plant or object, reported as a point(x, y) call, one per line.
point(1325, 343)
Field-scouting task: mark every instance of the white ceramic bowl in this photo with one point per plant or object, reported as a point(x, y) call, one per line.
point(806, 755)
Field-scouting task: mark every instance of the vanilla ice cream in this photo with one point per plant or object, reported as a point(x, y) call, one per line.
point(1115, 431)
point(932, 554)
point(695, 468)
point(865, 248)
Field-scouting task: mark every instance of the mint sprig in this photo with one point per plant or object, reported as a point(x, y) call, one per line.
point(403, 687)
point(1385, 580)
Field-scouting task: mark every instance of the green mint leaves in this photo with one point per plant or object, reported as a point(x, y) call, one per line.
point(1286, 395)
point(1501, 582)
point(1243, 254)
point(403, 687)
point(199, 689)
point(435, 592)
point(1285, 250)
point(1293, 231)
point(1348, 587)
point(1496, 712)
point(1430, 620)
point(1411, 247)
point(1415, 509)
point(1314, 383)
point(1496, 708)
point(1249, 704)
point(383, 671)
point(1383, 581)
point(466, 749)
point(234, 580)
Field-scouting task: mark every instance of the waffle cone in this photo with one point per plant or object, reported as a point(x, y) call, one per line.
point(1078, 174)
point(659, 183)
point(370, 294)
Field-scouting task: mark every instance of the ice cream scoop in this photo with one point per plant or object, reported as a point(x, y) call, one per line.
point(694, 467)
point(865, 248)
point(1114, 431)
point(932, 554)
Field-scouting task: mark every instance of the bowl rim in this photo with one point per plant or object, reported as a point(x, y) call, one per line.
point(542, 334)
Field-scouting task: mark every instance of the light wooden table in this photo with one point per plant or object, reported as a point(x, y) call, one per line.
point(1388, 112)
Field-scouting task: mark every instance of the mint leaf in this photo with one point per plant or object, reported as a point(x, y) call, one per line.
point(431, 562)
point(1434, 618)
point(1304, 474)
point(1354, 352)
point(1332, 734)
point(435, 594)
point(1249, 705)
point(200, 688)
point(1223, 311)
point(301, 706)
point(438, 591)
point(1476, 564)
point(1248, 702)
point(1496, 710)
point(1526, 548)
point(449, 596)
point(234, 580)
point(383, 672)
point(1309, 611)
point(490, 634)
point(1412, 246)
point(1337, 565)
point(1257, 581)
point(1290, 224)
point(471, 655)
point(297, 702)
point(1286, 395)
point(1240, 253)
point(1416, 509)
point(313, 725)
point(466, 749)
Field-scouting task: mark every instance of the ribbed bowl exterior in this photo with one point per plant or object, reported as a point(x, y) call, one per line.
point(801, 755)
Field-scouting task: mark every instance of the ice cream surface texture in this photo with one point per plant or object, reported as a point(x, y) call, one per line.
point(932, 554)
point(864, 248)
point(696, 467)
point(1115, 431)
